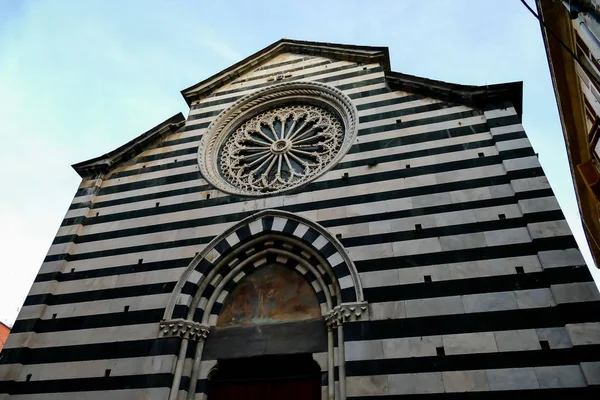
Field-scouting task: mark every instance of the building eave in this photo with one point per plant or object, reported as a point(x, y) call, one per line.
point(104, 163)
point(474, 96)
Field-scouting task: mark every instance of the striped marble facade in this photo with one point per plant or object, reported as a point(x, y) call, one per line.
point(473, 279)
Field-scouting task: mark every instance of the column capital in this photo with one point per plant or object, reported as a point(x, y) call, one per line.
point(346, 312)
point(183, 328)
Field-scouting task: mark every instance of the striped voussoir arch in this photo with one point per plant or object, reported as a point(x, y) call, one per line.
point(269, 236)
point(261, 253)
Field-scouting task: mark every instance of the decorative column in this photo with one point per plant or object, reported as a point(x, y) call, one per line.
point(188, 331)
point(346, 312)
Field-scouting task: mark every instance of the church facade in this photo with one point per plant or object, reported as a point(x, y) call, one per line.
point(319, 226)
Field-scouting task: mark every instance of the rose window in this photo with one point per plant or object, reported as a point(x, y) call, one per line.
point(279, 148)
point(277, 139)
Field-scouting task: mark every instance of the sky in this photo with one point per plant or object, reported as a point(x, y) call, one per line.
point(80, 78)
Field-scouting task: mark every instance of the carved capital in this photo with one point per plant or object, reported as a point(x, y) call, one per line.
point(346, 312)
point(183, 328)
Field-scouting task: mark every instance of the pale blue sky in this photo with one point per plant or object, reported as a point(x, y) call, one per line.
point(79, 78)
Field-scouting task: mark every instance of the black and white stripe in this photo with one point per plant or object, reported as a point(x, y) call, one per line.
point(466, 276)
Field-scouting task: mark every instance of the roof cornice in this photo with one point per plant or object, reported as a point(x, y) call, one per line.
point(331, 50)
point(482, 97)
point(104, 163)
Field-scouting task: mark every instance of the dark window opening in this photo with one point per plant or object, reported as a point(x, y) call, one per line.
point(28, 377)
point(107, 373)
point(544, 345)
point(157, 204)
point(520, 270)
point(418, 227)
point(207, 196)
point(427, 278)
point(501, 216)
point(407, 165)
point(141, 260)
point(126, 309)
point(480, 155)
point(338, 236)
point(440, 351)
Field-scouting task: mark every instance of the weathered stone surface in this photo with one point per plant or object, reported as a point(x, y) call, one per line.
point(467, 343)
point(512, 379)
point(428, 382)
point(435, 306)
point(465, 381)
point(367, 385)
point(560, 376)
point(518, 340)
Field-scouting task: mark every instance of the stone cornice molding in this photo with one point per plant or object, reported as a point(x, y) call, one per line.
point(363, 54)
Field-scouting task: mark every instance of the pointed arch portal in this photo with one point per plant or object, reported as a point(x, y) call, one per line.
point(282, 249)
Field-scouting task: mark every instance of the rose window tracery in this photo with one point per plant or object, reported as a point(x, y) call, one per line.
point(277, 139)
point(281, 147)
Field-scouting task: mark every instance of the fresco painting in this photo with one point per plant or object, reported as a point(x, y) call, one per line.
point(272, 294)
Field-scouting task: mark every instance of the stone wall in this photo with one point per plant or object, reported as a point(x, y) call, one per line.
point(473, 278)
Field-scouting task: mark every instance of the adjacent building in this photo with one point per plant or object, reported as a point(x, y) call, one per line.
point(4, 331)
point(318, 226)
point(571, 32)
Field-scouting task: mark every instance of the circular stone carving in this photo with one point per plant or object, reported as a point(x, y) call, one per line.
point(277, 139)
point(280, 148)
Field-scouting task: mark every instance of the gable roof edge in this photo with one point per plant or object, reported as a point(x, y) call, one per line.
point(340, 51)
point(476, 96)
point(103, 163)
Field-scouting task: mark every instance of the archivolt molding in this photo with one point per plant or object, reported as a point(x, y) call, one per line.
point(255, 253)
point(284, 94)
point(246, 246)
point(303, 267)
point(335, 261)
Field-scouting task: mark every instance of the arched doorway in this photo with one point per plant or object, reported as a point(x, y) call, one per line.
point(275, 377)
point(268, 238)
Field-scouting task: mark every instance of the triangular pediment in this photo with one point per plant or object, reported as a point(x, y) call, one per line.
point(286, 50)
point(277, 52)
point(265, 65)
